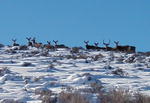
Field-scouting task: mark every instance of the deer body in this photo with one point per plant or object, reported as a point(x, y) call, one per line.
point(35, 44)
point(48, 45)
point(97, 47)
point(59, 46)
point(125, 48)
point(89, 46)
point(107, 46)
point(29, 42)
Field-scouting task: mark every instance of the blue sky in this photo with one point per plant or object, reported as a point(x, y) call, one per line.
point(73, 21)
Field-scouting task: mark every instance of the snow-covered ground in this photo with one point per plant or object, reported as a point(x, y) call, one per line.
point(23, 72)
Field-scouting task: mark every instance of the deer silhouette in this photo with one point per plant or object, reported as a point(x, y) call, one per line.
point(48, 45)
point(89, 46)
point(14, 42)
point(36, 44)
point(125, 48)
point(60, 45)
point(107, 46)
point(97, 47)
point(29, 41)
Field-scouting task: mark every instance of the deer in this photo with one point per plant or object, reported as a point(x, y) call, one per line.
point(132, 49)
point(107, 46)
point(48, 45)
point(97, 47)
point(125, 48)
point(60, 45)
point(29, 41)
point(89, 46)
point(35, 44)
point(14, 42)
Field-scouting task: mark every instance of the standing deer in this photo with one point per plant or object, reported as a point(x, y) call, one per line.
point(29, 41)
point(48, 45)
point(97, 47)
point(14, 42)
point(107, 46)
point(60, 45)
point(35, 44)
point(125, 48)
point(89, 46)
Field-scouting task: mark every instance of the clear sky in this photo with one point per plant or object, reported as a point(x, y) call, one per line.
point(73, 21)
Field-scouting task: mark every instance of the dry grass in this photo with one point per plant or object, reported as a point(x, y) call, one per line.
point(97, 57)
point(116, 96)
point(46, 95)
point(122, 96)
point(71, 98)
point(75, 50)
point(72, 95)
point(4, 70)
point(119, 72)
point(140, 98)
point(26, 64)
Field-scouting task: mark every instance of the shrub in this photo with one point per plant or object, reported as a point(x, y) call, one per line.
point(51, 65)
point(115, 96)
point(71, 98)
point(96, 88)
point(75, 50)
point(130, 59)
point(23, 47)
point(140, 98)
point(97, 57)
point(26, 64)
point(8, 101)
point(1, 45)
point(82, 56)
point(4, 70)
point(122, 96)
point(46, 95)
point(119, 72)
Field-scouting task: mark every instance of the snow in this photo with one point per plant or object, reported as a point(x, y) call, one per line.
point(24, 73)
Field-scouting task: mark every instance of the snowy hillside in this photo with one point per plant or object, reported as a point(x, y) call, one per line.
point(24, 73)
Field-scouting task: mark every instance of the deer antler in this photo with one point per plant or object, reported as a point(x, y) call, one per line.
point(96, 43)
point(106, 44)
point(49, 42)
point(14, 40)
point(28, 38)
point(116, 42)
point(55, 42)
point(86, 42)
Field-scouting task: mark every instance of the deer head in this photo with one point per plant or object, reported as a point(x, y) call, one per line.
point(117, 43)
point(33, 40)
point(86, 42)
point(55, 41)
point(29, 39)
point(96, 44)
point(106, 44)
point(14, 40)
point(48, 42)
